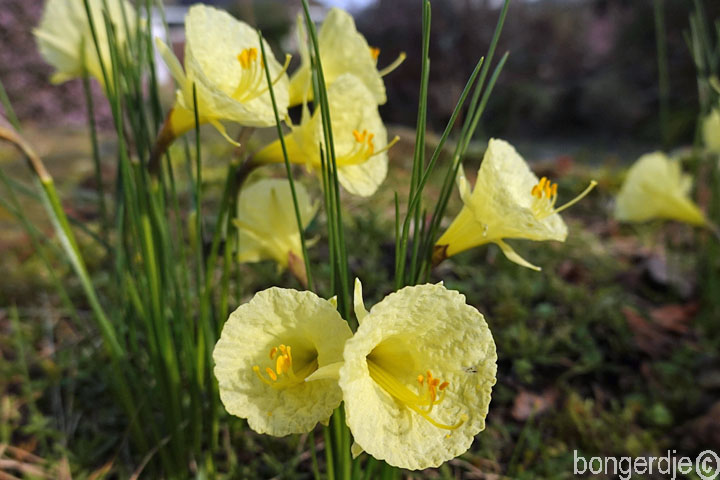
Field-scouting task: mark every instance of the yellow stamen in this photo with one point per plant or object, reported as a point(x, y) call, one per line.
point(359, 137)
point(545, 193)
point(247, 56)
point(284, 374)
point(421, 403)
point(374, 52)
point(252, 81)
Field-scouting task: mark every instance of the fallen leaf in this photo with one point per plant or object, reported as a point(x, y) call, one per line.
point(648, 337)
point(674, 318)
point(705, 430)
point(528, 404)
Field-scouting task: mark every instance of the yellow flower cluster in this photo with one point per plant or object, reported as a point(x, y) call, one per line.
point(421, 365)
point(224, 78)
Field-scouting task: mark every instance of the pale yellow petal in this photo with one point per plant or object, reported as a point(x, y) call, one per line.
point(356, 450)
point(171, 61)
point(358, 305)
point(364, 180)
point(301, 81)
point(463, 185)
point(221, 129)
point(331, 371)
point(513, 256)
point(315, 332)
point(711, 131)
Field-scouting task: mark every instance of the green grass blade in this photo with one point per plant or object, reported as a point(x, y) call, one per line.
point(287, 163)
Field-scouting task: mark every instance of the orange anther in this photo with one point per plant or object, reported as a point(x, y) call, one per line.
point(374, 52)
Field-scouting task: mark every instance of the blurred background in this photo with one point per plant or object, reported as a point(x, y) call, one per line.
point(579, 71)
point(609, 350)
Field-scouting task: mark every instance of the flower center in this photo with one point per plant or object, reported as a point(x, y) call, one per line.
point(545, 195)
point(430, 392)
point(252, 77)
point(363, 149)
point(284, 374)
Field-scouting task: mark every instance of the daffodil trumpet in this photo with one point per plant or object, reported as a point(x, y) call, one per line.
point(508, 201)
point(223, 79)
point(65, 38)
point(422, 365)
point(268, 350)
point(656, 188)
point(342, 50)
point(267, 227)
point(360, 138)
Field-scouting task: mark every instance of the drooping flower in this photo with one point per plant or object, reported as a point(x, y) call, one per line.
point(655, 187)
point(359, 135)
point(342, 50)
point(711, 130)
point(267, 349)
point(65, 39)
point(267, 225)
point(417, 376)
point(223, 62)
point(508, 201)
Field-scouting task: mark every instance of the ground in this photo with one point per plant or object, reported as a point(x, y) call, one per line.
point(608, 351)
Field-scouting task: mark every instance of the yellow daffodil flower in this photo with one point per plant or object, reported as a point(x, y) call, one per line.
point(655, 187)
point(358, 131)
point(711, 131)
point(508, 202)
point(268, 348)
point(267, 225)
point(223, 62)
point(417, 376)
point(66, 42)
point(342, 50)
